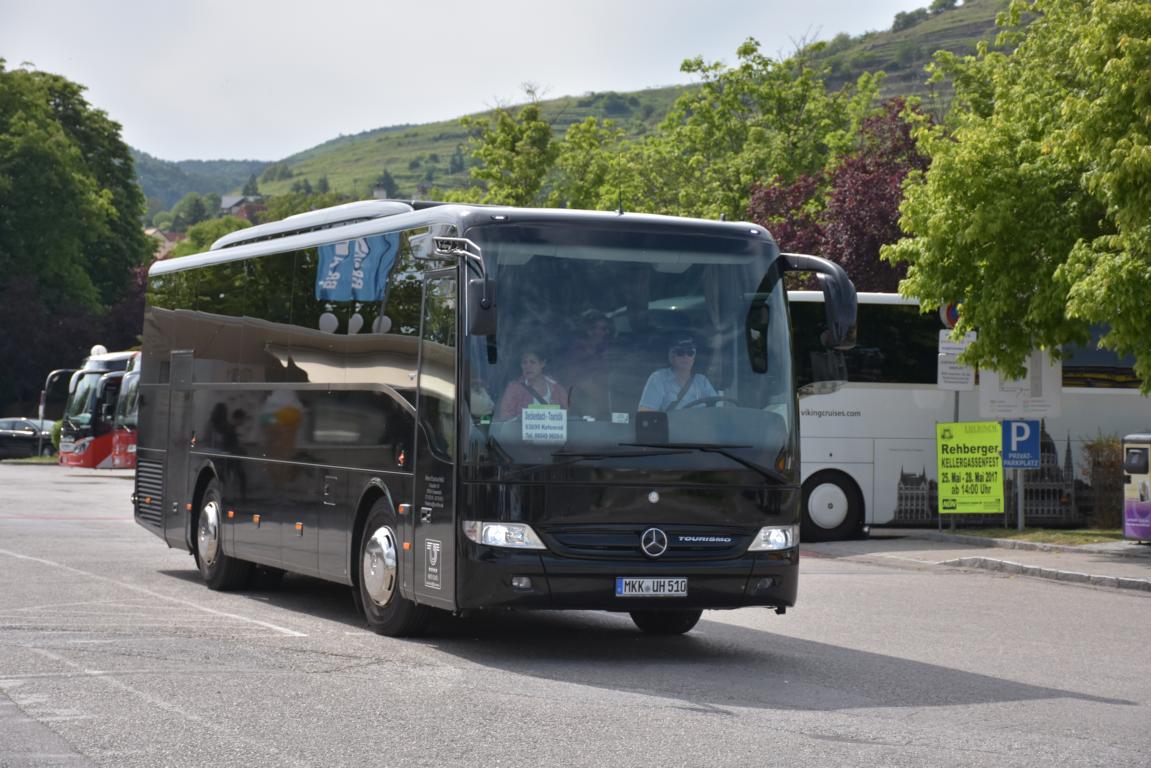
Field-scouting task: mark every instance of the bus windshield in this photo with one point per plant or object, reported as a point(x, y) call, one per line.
point(632, 350)
point(82, 400)
point(127, 402)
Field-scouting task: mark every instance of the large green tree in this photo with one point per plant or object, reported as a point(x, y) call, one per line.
point(70, 223)
point(513, 153)
point(1036, 210)
point(760, 119)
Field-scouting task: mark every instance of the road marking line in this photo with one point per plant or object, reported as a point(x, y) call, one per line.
point(150, 593)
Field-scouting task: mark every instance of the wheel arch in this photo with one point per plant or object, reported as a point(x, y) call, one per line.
point(839, 476)
point(372, 492)
point(206, 474)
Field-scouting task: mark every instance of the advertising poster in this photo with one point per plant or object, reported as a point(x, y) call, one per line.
point(970, 467)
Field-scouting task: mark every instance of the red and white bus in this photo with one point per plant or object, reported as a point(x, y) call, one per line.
point(86, 432)
point(124, 422)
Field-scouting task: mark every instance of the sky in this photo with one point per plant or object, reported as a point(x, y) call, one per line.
point(263, 79)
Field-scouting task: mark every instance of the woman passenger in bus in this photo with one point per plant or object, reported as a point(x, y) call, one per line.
point(534, 387)
point(676, 387)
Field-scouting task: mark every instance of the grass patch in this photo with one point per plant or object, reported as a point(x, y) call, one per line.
point(1048, 535)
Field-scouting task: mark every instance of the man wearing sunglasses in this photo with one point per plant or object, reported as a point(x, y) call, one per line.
point(676, 387)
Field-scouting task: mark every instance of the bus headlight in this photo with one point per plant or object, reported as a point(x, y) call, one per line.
point(513, 535)
point(775, 537)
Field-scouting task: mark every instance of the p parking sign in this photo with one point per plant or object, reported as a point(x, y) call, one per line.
point(1021, 444)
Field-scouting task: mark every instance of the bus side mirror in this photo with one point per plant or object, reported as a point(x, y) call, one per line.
point(481, 307)
point(839, 300)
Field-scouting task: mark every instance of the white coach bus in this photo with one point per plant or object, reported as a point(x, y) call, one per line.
point(868, 420)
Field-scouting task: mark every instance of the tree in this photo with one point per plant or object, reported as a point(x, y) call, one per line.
point(201, 236)
point(759, 120)
point(387, 184)
point(252, 188)
point(276, 172)
point(1035, 212)
point(322, 186)
point(850, 211)
point(283, 206)
point(908, 19)
point(865, 191)
point(190, 210)
point(70, 225)
point(457, 163)
point(513, 153)
point(582, 164)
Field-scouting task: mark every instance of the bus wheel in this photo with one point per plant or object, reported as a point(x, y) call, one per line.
point(387, 611)
point(219, 570)
point(665, 622)
point(832, 507)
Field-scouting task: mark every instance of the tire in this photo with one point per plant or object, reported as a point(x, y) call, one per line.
point(665, 622)
point(46, 451)
point(378, 578)
point(832, 508)
point(220, 571)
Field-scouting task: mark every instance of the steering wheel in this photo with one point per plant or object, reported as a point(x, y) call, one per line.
point(710, 402)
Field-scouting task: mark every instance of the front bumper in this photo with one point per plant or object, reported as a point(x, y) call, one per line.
point(767, 579)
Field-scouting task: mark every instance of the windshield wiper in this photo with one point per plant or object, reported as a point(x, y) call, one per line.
point(769, 473)
point(569, 458)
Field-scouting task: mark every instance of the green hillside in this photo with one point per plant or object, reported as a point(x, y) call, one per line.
point(165, 182)
point(904, 54)
point(420, 157)
point(434, 156)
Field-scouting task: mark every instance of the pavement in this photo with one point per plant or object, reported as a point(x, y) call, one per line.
point(1114, 565)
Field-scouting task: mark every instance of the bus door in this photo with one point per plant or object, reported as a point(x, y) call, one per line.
point(435, 526)
point(176, 530)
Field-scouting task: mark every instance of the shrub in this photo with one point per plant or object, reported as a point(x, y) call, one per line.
point(1104, 458)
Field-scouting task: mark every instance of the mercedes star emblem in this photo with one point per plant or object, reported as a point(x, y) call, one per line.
point(653, 542)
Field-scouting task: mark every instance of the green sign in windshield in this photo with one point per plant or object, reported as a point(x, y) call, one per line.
point(970, 467)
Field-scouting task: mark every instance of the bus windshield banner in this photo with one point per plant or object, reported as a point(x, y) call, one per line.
point(970, 465)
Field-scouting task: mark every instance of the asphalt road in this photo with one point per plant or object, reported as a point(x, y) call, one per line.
point(113, 653)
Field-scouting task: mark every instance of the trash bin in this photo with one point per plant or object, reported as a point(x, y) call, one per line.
point(1137, 487)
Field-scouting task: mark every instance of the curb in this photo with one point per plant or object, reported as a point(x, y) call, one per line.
point(980, 541)
point(1006, 566)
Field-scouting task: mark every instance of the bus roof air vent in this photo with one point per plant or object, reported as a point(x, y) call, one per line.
point(336, 216)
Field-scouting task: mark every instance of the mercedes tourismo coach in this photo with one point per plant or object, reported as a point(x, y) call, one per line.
point(349, 394)
point(87, 425)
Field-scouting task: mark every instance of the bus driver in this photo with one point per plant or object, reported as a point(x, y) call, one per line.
point(676, 387)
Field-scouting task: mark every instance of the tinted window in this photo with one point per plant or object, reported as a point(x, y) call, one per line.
point(896, 344)
point(1089, 366)
point(221, 297)
point(437, 365)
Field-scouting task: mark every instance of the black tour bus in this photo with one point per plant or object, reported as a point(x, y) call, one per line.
point(347, 394)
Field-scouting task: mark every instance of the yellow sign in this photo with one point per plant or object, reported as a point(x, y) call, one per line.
point(970, 464)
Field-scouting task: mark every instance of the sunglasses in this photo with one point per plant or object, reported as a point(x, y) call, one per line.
point(683, 351)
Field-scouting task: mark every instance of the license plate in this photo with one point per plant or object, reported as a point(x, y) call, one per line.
point(66, 446)
point(627, 586)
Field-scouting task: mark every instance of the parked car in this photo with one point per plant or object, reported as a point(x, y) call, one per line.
point(22, 437)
